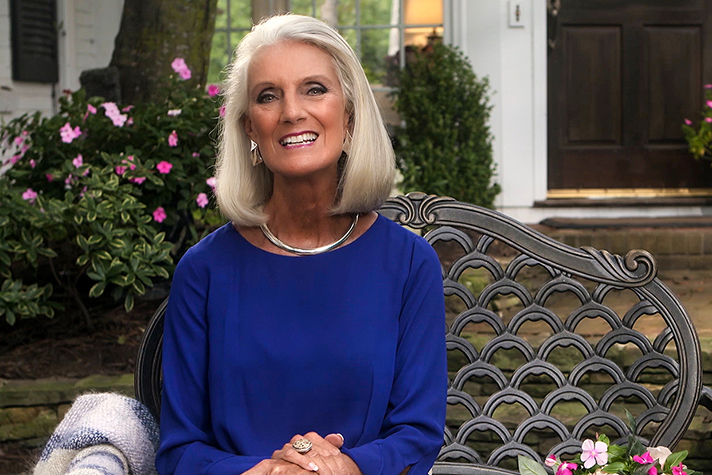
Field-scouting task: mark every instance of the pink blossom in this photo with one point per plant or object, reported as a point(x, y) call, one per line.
point(708, 119)
point(211, 182)
point(550, 460)
point(173, 139)
point(129, 162)
point(688, 122)
point(78, 161)
point(679, 470)
point(566, 468)
point(18, 140)
point(81, 193)
point(174, 112)
point(130, 121)
point(643, 459)
point(213, 90)
point(164, 167)
point(653, 471)
point(138, 179)
point(49, 177)
point(33, 163)
point(15, 158)
point(708, 86)
point(111, 110)
point(29, 195)
point(120, 170)
point(91, 109)
point(127, 108)
point(202, 200)
point(196, 154)
point(159, 214)
point(85, 172)
point(222, 111)
point(594, 453)
point(68, 134)
point(709, 103)
point(68, 181)
point(181, 68)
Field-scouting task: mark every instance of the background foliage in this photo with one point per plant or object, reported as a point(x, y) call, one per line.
point(445, 147)
point(99, 199)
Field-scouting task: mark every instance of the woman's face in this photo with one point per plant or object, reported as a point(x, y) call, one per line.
point(297, 109)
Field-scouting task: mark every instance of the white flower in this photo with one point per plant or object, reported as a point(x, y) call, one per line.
point(659, 454)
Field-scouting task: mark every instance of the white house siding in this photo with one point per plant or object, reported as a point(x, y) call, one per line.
point(86, 41)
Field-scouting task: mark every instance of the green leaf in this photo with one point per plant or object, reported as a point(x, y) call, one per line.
point(129, 302)
point(631, 422)
point(82, 260)
point(97, 289)
point(675, 459)
point(529, 466)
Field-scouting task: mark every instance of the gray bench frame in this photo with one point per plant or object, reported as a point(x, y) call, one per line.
point(448, 220)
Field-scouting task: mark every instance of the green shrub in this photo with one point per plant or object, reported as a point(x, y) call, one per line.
point(445, 146)
point(102, 197)
point(699, 139)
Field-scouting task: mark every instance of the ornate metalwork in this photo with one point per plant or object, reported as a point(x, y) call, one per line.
point(662, 376)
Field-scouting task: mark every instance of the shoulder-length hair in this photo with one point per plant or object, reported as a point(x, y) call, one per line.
point(368, 171)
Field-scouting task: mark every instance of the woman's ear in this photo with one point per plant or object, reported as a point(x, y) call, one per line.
point(246, 124)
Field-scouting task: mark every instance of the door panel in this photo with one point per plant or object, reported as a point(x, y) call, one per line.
point(623, 75)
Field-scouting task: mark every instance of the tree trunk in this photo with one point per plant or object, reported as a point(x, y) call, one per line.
point(152, 34)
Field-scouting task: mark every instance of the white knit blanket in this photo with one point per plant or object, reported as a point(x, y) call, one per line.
point(102, 434)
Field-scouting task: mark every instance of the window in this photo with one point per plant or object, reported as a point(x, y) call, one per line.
point(34, 40)
point(376, 29)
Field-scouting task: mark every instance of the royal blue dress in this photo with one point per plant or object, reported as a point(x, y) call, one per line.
point(259, 347)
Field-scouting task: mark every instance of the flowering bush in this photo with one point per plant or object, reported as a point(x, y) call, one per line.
point(700, 139)
point(102, 195)
point(601, 457)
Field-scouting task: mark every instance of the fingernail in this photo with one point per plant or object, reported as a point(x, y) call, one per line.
point(342, 437)
point(312, 466)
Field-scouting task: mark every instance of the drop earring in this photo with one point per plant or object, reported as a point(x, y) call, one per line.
point(256, 155)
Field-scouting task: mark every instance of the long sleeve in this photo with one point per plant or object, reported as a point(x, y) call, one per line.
point(188, 445)
point(412, 431)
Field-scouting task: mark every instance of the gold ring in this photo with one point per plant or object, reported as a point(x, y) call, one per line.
point(302, 445)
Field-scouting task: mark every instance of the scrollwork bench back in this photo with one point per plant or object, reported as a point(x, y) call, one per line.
point(547, 344)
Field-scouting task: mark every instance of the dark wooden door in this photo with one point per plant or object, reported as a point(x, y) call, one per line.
point(623, 76)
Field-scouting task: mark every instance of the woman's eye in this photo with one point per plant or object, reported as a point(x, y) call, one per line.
point(317, 90)
point(265, 97)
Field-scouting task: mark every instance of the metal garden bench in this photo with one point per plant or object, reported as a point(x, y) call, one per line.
point(547, 344)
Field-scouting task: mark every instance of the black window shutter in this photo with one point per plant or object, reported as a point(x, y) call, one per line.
point(34, 40)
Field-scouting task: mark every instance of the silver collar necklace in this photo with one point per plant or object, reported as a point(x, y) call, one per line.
point(308, 252)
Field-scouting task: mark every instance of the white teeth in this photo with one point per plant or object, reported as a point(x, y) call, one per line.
point(299, 139)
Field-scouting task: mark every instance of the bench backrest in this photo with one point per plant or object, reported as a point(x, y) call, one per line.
point(547, 344)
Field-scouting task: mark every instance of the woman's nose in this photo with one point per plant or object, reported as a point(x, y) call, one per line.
point(292, 109)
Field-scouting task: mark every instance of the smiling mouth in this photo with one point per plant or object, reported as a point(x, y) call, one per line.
point(301, 139)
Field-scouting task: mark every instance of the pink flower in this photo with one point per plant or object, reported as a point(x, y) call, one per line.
point(202, 200)
point(78, 161)
point(68, 134)
point(138, 180)
point(159, 214)
point(111, 110)
point(196, 154)
point(213, 90)
point(709, 103)
point(91, 109)
point(29, 195)
point(222, 111)
point(550, 460)
point(68, 182)
point(679, 470)
point(688, 122)
point(566, 468)
point(174, 112)
point(211, 182)
point(708, 86)
point(127, 108)
point(164, 167)
point(120, 170)
point(594, 453)
point(130, 121)
point(86, 172)
point(708, 119)
point(32, 163)
point(643, 459)
point(653, 471)
point(49, 177)
point(18, 140)
point(181, 68)
point(15, 158)
point(173, 139)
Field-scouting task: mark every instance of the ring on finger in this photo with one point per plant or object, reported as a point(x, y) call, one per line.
point(302, 445)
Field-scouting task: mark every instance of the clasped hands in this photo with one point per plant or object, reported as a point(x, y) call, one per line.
point(324, 458)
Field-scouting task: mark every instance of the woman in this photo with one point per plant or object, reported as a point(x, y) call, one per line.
point(307, 334)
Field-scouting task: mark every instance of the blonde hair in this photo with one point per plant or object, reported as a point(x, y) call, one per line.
point(369, 169)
